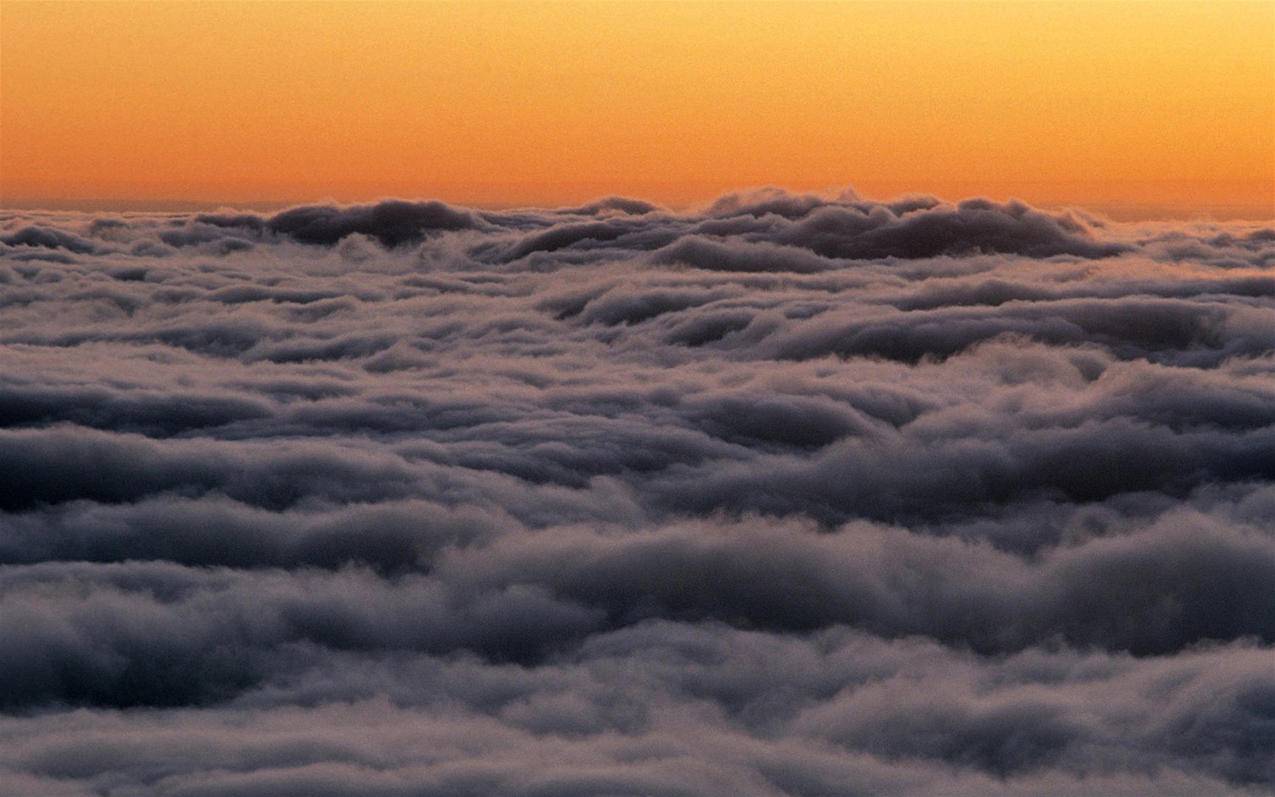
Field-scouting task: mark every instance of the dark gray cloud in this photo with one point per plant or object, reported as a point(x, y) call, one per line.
point(792, 494)
point(48, 238)
point(392, 222)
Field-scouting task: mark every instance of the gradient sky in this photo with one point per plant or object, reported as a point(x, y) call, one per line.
point(1138, 108)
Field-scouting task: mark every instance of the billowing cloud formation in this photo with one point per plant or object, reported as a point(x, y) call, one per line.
point(788, 495)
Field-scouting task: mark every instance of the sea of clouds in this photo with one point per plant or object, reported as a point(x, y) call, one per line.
point(787, 495)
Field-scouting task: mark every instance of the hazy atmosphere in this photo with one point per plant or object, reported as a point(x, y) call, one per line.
point(691, 489)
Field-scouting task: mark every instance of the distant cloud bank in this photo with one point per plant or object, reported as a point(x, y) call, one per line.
point(790, 495)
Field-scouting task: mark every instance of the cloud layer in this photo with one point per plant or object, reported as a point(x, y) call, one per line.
point(790, 494)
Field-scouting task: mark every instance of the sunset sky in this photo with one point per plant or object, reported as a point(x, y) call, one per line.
point(1137, 108)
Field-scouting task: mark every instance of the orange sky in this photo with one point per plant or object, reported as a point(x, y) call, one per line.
point(1152, 107)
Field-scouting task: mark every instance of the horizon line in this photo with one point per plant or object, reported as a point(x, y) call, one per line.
point(1115, 210)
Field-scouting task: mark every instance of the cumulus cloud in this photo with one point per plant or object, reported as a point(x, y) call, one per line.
point(789, 494)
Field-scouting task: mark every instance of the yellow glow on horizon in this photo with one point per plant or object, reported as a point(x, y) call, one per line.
point(1151, 104)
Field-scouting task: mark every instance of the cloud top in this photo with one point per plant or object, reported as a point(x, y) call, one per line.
point(789, 494)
